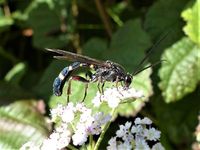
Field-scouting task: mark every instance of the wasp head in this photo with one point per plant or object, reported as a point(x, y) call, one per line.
point(127, 80)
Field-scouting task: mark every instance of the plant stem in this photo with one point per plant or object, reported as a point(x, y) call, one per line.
point(71, 147)
point(104, 17)
point(104, 131)
point(91, 145)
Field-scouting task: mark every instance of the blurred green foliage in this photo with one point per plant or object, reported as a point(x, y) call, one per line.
point(123, 33)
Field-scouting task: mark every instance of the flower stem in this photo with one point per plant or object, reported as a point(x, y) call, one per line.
point(91, 142)
point(71, 147)
point(104, 131)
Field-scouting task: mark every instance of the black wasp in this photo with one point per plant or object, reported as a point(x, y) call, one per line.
point(104, 71)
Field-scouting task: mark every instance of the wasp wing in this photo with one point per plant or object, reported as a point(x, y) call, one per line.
point(65, 55)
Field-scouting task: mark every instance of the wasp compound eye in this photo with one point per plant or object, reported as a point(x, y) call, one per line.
point(128, 80)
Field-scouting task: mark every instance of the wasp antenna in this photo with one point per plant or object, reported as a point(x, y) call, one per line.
point(150, 51)
point(58, 51)
point(158, 62)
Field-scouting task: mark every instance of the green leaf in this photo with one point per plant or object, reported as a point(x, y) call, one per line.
point(45, 84)
point(159, 21)
point(180, 73)
point(95, 47)
point(128, 44)
point(192, 17)
point(183, 122)
point(15, 75)
point(48, 23)
point(10, 92)
point(164, 15)
point(21, 122)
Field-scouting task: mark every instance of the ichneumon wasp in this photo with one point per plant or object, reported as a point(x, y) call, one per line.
point(105, 71)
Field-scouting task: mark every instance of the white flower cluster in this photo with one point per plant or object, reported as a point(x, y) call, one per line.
point(113, 96)
point(135, 137)
point(71, 128)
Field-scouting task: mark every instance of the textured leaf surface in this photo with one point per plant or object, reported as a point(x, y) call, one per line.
point(192, 17)
point(164, 15)
point(48, 24)
point(21, 122)
point(128, 45)
point(180, 73)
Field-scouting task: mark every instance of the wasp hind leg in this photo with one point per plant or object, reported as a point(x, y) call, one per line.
point(77, 78)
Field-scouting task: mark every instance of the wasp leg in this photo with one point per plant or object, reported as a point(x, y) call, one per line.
point(117, 83)
point(85, 94)
point(102, 87)
point(69, 89)
point(88, 75)
point(77, 78)
point(99, 89)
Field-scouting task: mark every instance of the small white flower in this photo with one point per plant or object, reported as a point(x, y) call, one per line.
point(56, 112)
point(123, 129)
point(141, 144)
point(81, 107)
point(80, 137)
point(152, 134)
point(99, 120)
point(114, 102)
point(135, 137)
point(124, 146)
point(146, 121)
point(127, 125)
point(138, 129)
point(68, 115)
point(158, 146)
point(86, 116)
point(113, 96)
point(64, 140)
point(97, 100)
point(59, 139)
point(54, 136)
point(49, 144)
point(112, 144)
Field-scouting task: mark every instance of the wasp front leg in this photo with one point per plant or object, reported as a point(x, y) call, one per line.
point(117, 87)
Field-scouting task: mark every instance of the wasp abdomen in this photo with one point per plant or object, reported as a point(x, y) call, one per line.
point(57, 86)
point(59, 81)
point(63, 75)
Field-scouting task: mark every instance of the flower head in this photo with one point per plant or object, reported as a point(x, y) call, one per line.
point(152, 134)
point(113, 96)
point(135, 136)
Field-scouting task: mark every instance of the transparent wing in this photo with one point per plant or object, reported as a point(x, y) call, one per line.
point(65, 55)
